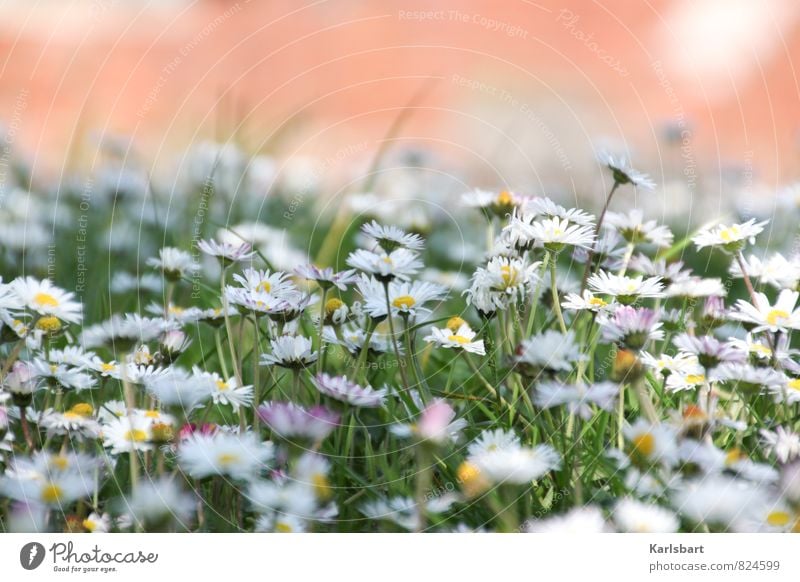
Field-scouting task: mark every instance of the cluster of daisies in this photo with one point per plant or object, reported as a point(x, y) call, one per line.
point(581, 377)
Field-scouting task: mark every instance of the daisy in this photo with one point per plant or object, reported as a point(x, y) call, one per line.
point(516, 464)
point(719, 501)
point(276, 285)
point(626, 290)
point(631, 326)
point(732, 238)
point(406, 299)
point(461, 339)
point(45, 299)
point(327, 278)
point(782, 443)
point(229, 392)
point(127, 434)
point(400, 263)
point(238, 457)
point(587, 301)
point(404, 511)
point(787, 391)
point(125, 332)
point(177, 387)
point(390, 238)
point(290, 351)
point(159, 501)
point(752, 347)
point(543, 206)
point(340, 388)
point(550, 350)
point(710, 352)
point(779, 317)
point(578, 397)
point(623, 173)
point(56, 489)
point(227, 252)
point(633, 516)
point(665, 364)
point(97, 523)
point(174, 263)
point(635, 230)
point(669, 272)
point(500, 203)
point(509, 277)
point(651, 444)
point(555, 234)
point(581, 520)
point(436, 424)
point(776, 271)
point(77, 422)
point(694, 287)
point(290, 420)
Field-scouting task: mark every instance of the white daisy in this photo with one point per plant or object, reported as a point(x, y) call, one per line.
point(622, 171)
point(782, 443)
point(390, 238)
point(731, 238)
point(340, 388)
point(651, 444)
point(578, 397)
point(174, 263)
point(555, 233)
point(290, 351)
point(400, 263)
point(128, 433)
point(634, 229)
point(633, 516)
point(626, 290)
point(550, 350)
point(240, 457)
point(587, 301)
point(781, 316)
point(461, 339)
point(227, 252)
point(45, 299)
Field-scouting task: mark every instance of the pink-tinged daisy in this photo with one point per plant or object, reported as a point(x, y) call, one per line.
point(437, 424)
point(290, 420)
point(709, 350)
point(340, 388)
point(632, 327)
point(781, 316)
point(227, 252)
point(327, 278)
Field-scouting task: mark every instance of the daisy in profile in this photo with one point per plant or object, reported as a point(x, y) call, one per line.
point(665, 364)
point(710, 352)
point(586, 301)
point(461, 339)
point(327, 277)
point(97, 523)
point(275, 285)
point(782, 443)
point(500, 203)
point(229, 391)
point(626, 290)
point(731, 239)
point(342, 389)
point(510, 278)
point(696, 287)
point(749, 379)
point(159, 501)
point(174, 263)
point(390, 237)
point(544, 207)
point(623, 173)
point(633, 516)
point(555, 234)
point(400, 263)
point(632, 327)
point(77, 422)
point(577, 397)
point(581, 520)
point(290, 351)
point(227, 252)
point(47, 300)
point(55, 489)
point(635, 230)
point(239, 457)
point(290, 420)
point(551, 351)
point(776, 271)
point(782, 316)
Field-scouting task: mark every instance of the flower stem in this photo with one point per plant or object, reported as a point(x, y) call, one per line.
point(535, 298)
point(593, 250)
point(321, 358)
point(556, 302)
point(394, 337)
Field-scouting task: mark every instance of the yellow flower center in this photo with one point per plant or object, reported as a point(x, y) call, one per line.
point(472, 480)
point(779, 518)
point(504, 198)
point(729, 234)
point(69, 415)
point(794, 384)
point(734, 456)
point(508, 274)
point(597, 302)
point(644, 444)
point(175, 310)
point(404, 302)
point(45, 300)
point(695, 378)
point(89, 525)
point(107, 367)
point(776, 315)
point(322, 487)
point(264, 286)
point(458, 339)
point(454, 323)
point(333, 304)
point(226, 459)
point(135, 435)
point(48, 323)
point(152, 413)
point(761, 349)
point(82, 409)
point(283, 527)
point(59, 462)
point(51, 493)
point(222, 386)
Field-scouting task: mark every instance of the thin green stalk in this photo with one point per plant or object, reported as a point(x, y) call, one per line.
point(556, 301)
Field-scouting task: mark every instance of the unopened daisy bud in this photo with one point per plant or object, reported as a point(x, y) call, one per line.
point(336, 311)
point(174, 342)
point(82, 409)
point(49, 324)
point(473, 482)
point(627, 367)
point(454, 323)
point(163, 433)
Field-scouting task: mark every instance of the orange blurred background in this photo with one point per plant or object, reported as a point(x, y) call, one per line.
point(526, 84)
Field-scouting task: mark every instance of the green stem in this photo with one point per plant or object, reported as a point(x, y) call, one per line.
point(556, 301)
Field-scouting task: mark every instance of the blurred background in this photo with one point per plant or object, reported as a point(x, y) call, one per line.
point(703, 94)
